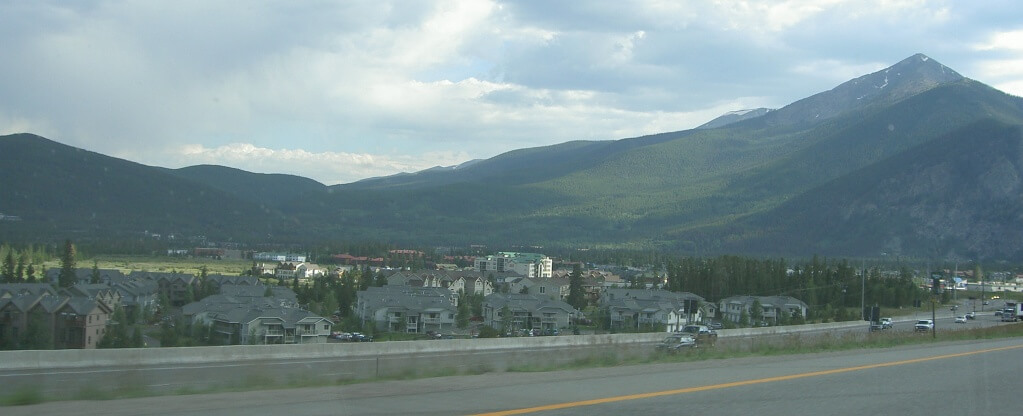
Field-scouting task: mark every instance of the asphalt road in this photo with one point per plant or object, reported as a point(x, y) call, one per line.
point(945, 378)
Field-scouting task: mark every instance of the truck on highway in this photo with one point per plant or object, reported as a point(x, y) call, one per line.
point(1012, 312)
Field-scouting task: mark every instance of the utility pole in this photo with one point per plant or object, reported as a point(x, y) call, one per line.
point(863, 289)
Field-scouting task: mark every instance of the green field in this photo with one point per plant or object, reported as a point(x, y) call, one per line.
point(127, 264)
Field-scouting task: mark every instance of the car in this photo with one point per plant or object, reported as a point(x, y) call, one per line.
point(971, 315)
point(987, 303)
point(923, 325)
point(998, 313)
point(960, 319)
point(676, 342)
point(715, 325)
point(887, 323)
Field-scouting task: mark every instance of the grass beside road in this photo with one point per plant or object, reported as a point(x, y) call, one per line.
point(725, 348)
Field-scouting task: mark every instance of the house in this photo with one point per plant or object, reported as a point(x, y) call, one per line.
point(309, 271)
point(219, 280)
point(84, 275)
point(525, 311)
point(248, 317)
point(99, 291)
point(279, 257)
point(638, 308)
point(552, 288)
point(772, 308)
point(408, 309)
point(250, 324)
point(456, 281)
point(80, 322)
point(57, 320)
point(136, 295)
point(286, 271)
point(176, 286)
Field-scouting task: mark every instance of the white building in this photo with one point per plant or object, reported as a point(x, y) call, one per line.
point(525, 264)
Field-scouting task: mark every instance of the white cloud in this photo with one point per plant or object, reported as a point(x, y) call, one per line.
point(371, 87)
point(327, 167)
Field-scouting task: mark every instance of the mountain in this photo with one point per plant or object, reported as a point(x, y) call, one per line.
point(733, 117)
point(914, 159)
point(68, 192)
point(258, 188)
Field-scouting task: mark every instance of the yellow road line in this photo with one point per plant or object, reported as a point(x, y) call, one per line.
point(734, 384)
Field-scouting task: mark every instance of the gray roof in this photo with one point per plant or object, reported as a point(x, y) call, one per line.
point(768, 301)
point(84, 275)
point(14, 289)
point(242, 314)
point(524, 302)
point(407, 297)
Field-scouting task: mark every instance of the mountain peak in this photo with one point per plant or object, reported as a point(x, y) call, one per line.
point(908, 77)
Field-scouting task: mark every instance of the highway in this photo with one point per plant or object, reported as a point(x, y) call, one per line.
point(942, 378)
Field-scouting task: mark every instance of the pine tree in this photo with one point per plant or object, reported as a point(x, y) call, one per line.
point(19, 271)
point(576, 297)
point(94, 276)
point(7, 271)
point(67, 277)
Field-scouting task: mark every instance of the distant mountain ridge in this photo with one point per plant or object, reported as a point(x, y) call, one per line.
point(733, 117)
point(913, 159)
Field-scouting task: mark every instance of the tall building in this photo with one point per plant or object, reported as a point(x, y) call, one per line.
point(525, 264)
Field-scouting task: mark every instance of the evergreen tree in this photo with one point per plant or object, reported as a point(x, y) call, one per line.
point(756, 312)
point(19, 271)
point(94, 276)
point(30, 273)
point(506, 319)
point(38, 332)
point(576, 296)
point(7, 271)
point(743, 318)
point(462, 317)
point(67, 277)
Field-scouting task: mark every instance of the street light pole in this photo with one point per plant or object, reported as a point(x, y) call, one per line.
point(863, 290)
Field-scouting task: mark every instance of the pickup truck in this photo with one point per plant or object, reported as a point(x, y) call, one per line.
point(886, 323)
point(703, 334)
point(923, 325)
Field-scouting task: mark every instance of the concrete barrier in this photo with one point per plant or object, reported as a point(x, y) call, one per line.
point(16, 360)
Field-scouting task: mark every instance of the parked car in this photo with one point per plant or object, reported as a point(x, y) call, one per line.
point(675, 342)
point(923, 325)
point(715, 325)
point(960, 319)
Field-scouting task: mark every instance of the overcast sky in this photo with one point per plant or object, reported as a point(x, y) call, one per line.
point(339, 91)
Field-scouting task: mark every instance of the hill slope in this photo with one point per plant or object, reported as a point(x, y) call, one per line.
point(794, 181)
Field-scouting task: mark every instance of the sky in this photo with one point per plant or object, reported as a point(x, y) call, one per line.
point(339, 91)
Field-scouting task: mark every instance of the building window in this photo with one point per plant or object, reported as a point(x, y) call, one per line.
point(542, 290)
